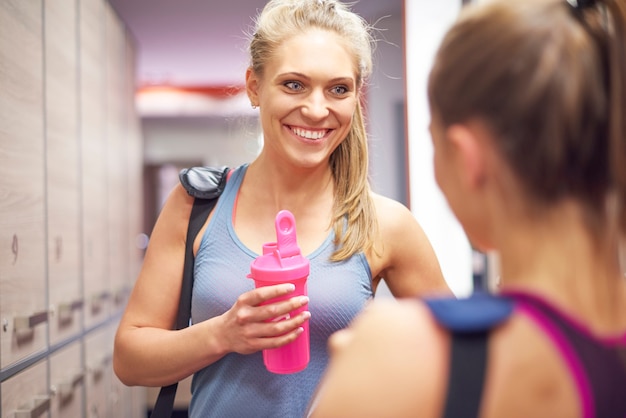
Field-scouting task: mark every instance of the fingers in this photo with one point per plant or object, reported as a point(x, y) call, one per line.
point(264, 318)
point(263, 294)
point(275, 318)
point(257, 336)
point(339, 340)
point(285, 331)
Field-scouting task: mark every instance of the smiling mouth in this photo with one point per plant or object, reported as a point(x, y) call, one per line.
point(312, 134)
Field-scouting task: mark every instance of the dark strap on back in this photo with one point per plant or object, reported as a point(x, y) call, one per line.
point(199, 213)
point(470, 322)
point(468, 361)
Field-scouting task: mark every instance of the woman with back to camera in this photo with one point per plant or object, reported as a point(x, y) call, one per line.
point(309, 61)
point(528, 103)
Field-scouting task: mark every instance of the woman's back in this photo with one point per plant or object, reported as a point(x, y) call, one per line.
point(529, 370)
point(545, 362)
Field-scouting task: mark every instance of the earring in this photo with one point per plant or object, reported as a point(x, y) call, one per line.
point(253, 105)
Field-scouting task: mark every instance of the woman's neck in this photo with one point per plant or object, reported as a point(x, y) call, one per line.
point(289, 187)
point(560, 257)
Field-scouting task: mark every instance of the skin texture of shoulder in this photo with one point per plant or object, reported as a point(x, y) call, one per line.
point(407, 357)
point(402, 254)
point(379, 360)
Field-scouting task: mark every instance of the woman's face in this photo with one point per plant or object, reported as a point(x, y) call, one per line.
point(307, 97)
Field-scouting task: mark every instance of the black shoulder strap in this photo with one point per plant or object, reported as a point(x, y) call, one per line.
point(468, 361)
point(470, 322)
point(200, 211)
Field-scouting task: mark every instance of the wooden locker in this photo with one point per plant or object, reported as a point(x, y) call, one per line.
point(26, 394)
point(98, 367)
point(118, 204)
point(67, 381)
point(135, 169)
point(23, 309)
point(62, 167)
point(92, 52)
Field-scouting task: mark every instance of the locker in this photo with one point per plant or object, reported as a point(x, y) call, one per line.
point(98, 356)
point(26, 394)
point(117, 158)
point(62, 159)
point(67, 381)
point(23, 309)
point(93, 161)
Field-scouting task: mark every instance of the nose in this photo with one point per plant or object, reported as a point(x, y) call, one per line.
point(316, 106)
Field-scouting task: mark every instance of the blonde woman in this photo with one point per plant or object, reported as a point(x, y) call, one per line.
point(309, 61)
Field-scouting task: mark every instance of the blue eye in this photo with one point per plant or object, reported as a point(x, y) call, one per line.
point(339, 90)
point(293, 85)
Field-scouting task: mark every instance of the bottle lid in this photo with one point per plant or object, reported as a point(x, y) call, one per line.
point(281, 260)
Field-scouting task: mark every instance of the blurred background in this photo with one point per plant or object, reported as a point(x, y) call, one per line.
point(102, 102)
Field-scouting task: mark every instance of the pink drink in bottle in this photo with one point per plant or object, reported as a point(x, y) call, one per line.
point(282, 262)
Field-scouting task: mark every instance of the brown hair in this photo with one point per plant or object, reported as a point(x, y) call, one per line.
point(550, 81)
point(354, 217)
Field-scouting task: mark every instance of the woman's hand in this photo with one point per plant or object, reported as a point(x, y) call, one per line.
point(256, 322)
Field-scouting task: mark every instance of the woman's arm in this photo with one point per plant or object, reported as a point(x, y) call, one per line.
point(148, 352)
point(405, 258)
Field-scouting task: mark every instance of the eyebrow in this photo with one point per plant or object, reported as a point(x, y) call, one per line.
point(347, 80)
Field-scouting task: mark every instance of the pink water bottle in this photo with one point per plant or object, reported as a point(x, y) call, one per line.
point(282, 262)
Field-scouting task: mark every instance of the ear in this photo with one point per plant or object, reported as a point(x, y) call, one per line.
point(252, 86)
point(469, 154)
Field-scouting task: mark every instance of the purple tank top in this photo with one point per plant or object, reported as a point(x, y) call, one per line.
point(598, 365)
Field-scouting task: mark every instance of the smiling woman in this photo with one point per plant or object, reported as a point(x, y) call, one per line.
point(309, 62)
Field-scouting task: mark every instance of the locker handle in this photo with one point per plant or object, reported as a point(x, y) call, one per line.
point(97, 300)
point(37, 407)
point(66, 309)
point(66, 389)
point(28, 322)
point(121, 295)
point(98, 370)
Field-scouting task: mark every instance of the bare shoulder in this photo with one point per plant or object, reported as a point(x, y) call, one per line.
point(403, 255)
point(391, 214)
point(397, 224)
point(526, 375)
point(389, 363)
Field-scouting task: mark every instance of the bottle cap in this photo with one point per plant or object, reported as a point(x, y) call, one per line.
point(282, 260)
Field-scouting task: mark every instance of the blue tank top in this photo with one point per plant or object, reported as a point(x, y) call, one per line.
point(239, 386)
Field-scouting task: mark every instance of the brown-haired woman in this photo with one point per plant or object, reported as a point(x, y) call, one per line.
point(528, 102)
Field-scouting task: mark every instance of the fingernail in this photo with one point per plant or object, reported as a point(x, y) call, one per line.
point(304, 300)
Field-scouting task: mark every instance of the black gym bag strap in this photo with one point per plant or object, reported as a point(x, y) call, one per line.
point(199, 214)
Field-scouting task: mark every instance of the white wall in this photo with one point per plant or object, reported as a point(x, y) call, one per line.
point(207, 140)
point(426, 22)
point(385, 111)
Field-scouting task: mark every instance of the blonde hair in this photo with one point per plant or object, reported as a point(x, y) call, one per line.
point(354, 216)
point(550, 81)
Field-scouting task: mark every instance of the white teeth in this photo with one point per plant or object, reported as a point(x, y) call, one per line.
point(308, 134)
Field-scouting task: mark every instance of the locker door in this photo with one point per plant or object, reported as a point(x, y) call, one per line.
point(117, 158)
point(65, 296)
point(26, 394)
point(67, 380)
point(93, 161)
point(98, 355)
point(23, 309)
